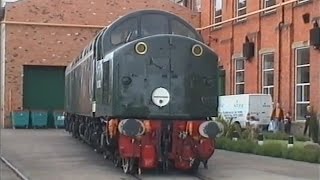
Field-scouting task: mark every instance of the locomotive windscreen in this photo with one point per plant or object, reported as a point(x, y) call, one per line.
point(124, 32)
point(180, 29)
point(143, 24)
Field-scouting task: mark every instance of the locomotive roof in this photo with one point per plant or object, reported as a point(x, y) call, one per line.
point(140, 13)
point(152, 11)
point(152, 19)
point(107, 39)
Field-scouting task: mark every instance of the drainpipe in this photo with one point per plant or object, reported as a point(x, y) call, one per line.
point(280, 25)
point(232, 79)
point(291, 64)
point(258, 57)
point(2, 71)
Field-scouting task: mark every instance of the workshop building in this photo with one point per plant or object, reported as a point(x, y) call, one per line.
point(274, 50)
point(39, 38)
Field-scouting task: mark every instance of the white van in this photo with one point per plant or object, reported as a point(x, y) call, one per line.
point(255, 109)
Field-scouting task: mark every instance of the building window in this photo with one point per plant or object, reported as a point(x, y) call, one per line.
point(196, 5)
point(302, 1)
point(302, 81)
point(268, 73)
point(241, 9)
point(239, 66)
point(269, 3)
point(217, 12)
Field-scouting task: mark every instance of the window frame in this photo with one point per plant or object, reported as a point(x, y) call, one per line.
point(120, 26)
point(215, 17)
point(263, 70)
point(196, 5)
point(236, 84)
point(301, 1)
point(143, 24)
point(239, 9)
point(264, 3)
point(300, 84)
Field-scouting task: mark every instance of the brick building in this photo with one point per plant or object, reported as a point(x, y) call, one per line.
point(56, 31)
point(284, 63)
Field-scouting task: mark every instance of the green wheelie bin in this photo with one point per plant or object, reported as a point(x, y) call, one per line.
point(20, 118)
point(39, 118)
point(58, 119)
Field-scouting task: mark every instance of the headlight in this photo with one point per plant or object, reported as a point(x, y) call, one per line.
point(141, 48)
point(211, 129)
point(197, 50)
point(131, 127)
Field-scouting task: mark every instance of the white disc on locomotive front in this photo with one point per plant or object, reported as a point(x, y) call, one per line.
point(160, 97)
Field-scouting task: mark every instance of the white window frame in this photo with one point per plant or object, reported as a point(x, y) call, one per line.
point(215, 17)
point(196, 5)
point(300, 84)
point(266, 70)
point(265, 6)
point(239, 9)
point(235, 74)
point(302, 1)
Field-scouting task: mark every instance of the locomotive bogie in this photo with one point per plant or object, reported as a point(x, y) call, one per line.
point(165, 144)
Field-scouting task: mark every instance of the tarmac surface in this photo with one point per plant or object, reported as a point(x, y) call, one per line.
point(55, 155)
point(6, 173)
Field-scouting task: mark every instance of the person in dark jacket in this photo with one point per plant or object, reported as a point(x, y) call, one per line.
point(287, 123)
point(312, 123)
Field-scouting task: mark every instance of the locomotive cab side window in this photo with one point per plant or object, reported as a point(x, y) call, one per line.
point(124, 32)
point(152, 24)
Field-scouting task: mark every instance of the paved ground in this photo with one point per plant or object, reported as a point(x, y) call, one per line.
point(54, 154)
point(6, 173)
point(229, 165)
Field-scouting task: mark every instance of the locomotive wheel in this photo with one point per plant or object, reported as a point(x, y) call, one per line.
point(116, 160)
point(70, 126)
point(105, 154)
point(195, 166)
point(165, 166)
point(127, 165)
point(74, 130)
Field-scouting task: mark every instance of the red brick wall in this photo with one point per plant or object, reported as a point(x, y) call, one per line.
point(42, 45)
point(264, 32)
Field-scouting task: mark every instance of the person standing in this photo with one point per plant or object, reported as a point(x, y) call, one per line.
point(287, 123)
point(311, 124)
point(278, 117)
point(307, 122)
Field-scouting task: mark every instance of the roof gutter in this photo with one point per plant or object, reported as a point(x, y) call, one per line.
point(248, 14)
point(99, 26)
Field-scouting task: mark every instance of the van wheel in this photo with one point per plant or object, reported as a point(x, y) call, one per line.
point(237, 125)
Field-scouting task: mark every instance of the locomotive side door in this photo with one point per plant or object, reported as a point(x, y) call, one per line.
point(97, 76)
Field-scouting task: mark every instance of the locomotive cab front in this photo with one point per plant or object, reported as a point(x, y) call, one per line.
point(160, 69)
